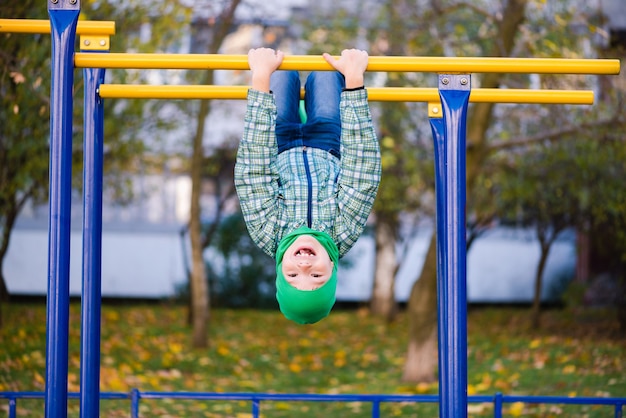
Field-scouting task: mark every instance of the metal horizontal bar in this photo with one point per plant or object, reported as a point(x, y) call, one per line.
point(582, 400)
point(376, 63)
point(310, 397)
point(382, 94)
point(84, 27)
point(566, 400)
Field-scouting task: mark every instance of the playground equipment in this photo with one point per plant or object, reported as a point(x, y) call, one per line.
point(447, 113)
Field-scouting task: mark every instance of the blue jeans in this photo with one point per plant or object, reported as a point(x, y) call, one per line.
point(321, 101)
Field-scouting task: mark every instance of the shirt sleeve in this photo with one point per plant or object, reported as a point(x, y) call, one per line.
point(360, 166)
point(256, 174)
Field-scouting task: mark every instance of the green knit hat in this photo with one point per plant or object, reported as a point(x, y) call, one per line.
point(306, 306)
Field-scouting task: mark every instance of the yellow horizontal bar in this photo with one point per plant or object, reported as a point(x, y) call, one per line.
point(382, 94)
point(84, 27)
point(578, 97)
point(376, 63)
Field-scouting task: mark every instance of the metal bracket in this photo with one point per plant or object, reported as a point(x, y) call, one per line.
point(454, 82)
point(64, 4)
point(434, 110)
point(95, 43)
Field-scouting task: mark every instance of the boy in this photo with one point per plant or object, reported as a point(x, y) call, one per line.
point(306, 189)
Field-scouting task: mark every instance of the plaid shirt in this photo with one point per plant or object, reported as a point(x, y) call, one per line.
point(307, 186)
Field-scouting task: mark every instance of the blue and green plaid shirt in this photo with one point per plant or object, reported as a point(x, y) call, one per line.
point(307, 186)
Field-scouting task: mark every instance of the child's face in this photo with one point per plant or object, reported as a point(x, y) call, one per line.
point(306, 264)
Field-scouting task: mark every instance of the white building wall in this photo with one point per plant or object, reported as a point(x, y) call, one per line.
point(137, 265)
point(142, 263)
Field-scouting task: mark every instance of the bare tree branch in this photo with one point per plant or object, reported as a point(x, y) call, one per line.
point(436, 6)
point(551, 135)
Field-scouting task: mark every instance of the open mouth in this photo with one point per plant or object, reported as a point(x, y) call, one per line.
point(304, 252)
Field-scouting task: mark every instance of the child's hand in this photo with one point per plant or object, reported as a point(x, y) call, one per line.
point(352, 64)
point(263, 62)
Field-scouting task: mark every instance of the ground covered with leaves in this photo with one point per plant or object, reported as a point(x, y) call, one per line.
point(147, 347)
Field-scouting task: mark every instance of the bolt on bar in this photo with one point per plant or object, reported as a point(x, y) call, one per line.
point(84, 27)
point(375, 63)
point(380, 94)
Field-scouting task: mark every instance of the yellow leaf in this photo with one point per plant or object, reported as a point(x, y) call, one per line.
point(111, 315)
point(422, 387)
point(516, 409)
point(295, 368)
point(388, 142)
point(283, 406)
point(340, 362)
point(39, 378)
point(535, 343)
point(569, 369)
point(176, 348)
point(247, 384)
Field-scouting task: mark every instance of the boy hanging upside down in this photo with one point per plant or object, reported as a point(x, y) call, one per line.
point(306, 188)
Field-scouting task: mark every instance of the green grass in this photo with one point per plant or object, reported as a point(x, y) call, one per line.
point(577, 353)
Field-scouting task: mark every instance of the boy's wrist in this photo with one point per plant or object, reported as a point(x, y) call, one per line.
point(261, 82)
point(354, 81)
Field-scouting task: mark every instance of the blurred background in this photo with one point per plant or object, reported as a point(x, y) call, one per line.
point(546, 193)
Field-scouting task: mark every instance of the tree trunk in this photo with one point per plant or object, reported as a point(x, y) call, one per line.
point(583, 251)
point(383, 302)
point(536, 309)
point(199, 288)
point(4, 294)
point(9, 221)
point(200, 312)
point(421, 358)
point(621, 307)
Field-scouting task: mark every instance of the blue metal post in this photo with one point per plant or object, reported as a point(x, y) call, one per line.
point(134, 403)
point(375, 409)
point(63, 20)
point(256, 408)
point(497, 406)
point(12, 408)
point(93, 150)
point(454, 90)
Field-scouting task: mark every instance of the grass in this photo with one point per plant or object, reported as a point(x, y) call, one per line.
point(576, 353)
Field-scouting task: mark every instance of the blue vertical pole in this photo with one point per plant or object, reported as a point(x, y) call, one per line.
point(93, 156)
point(497, 406)
point(12, 408)
point(256, 408)
point(63, 20)
point(454, 91)
point(134, 403)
